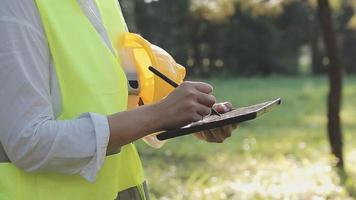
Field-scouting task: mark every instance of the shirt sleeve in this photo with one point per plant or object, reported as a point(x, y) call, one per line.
point(31, 136)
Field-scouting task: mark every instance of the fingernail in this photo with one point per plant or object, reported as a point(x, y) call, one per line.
point(226, 109)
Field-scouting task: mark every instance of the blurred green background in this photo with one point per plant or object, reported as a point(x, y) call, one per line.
point(282, 155)
point(253, 51)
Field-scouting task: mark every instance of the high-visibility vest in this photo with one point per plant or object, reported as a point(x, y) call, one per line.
point(91, 80)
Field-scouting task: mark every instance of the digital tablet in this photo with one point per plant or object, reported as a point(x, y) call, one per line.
point(213, 121)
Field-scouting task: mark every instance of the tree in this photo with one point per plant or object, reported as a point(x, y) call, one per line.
point(335, 80)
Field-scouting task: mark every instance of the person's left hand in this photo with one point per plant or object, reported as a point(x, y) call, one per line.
point(218, 135)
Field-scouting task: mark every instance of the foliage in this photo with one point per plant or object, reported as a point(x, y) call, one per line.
point(213, 10)
point(283, 155)
point(249, 38)
point(239, 43)
point(241, 37)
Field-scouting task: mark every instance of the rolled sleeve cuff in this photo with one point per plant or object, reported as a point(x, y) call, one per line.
point(102, 135)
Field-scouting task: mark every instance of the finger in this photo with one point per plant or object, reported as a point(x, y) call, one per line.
point(196, 117)
point(221, 133)
point(203, 87)
point(203, 110)
point(221, 108)
point(226, 131)
point(206, 99)
point(218, 135)
point(228, 105)
point(200, 136)
point(209, 136)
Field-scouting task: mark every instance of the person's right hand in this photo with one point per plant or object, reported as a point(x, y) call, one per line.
point(188, 103)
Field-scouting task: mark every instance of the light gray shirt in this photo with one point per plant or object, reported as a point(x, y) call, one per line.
point(30, 99)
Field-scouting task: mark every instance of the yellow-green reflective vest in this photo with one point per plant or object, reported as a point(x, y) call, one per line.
point(91, 80)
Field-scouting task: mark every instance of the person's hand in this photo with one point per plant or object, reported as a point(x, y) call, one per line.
point(218, 135)
point(188, 103)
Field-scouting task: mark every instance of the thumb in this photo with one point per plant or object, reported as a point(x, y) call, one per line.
point(221, 108)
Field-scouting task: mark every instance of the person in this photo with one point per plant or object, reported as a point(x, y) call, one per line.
point(65, 131)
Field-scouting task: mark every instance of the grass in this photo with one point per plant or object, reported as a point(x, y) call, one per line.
point(282, 155)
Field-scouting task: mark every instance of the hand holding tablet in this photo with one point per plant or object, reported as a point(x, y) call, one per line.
point(214, 121)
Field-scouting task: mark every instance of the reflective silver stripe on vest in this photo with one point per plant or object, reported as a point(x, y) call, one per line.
point(5, 159)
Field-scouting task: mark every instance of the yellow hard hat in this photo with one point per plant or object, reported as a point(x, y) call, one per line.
point(145, 54)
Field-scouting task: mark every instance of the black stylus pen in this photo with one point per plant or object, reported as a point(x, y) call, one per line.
point(174, 84)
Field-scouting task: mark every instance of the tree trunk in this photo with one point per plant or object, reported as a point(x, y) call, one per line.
point(335, 81)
